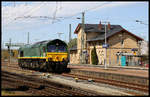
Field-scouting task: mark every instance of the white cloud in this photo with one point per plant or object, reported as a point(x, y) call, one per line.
point(12, 17)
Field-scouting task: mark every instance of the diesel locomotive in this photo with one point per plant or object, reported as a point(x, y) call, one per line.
point(50, 56)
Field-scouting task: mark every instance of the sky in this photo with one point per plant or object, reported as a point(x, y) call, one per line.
point(44, 20)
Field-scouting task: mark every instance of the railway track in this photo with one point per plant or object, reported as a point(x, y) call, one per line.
point(111, 82)
point(74, 90)
point(40, 86)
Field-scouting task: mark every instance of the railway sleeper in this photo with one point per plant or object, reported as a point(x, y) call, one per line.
point(22, 82)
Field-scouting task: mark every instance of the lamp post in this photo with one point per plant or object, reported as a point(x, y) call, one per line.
point(28, 39)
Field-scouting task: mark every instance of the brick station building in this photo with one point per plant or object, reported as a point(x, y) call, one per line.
point(119, 39)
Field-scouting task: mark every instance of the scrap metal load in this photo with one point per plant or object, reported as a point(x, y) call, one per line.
point(48, 55)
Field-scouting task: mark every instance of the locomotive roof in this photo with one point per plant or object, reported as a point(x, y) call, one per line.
point(40, 43)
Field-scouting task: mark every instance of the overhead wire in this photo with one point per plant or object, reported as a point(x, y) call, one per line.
point(63, 18)
point(24, 13)
point(101, 5)
point(54, 15)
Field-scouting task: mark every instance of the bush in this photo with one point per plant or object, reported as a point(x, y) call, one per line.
point(94, 56)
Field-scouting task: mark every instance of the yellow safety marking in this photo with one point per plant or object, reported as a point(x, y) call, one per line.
point(31, 57)
point(55, 56)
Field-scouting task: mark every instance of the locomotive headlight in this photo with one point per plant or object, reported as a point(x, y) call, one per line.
point(64, 59)
point(57, 57)
point(50, 59)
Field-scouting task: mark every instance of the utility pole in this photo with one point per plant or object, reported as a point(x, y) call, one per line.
point(9, 51)
point(82, 59)
point(28, 39)
point(82, 40)
point(69, 39)
point(105, 45)
point(69, 32)
point(105, 48)
point(14, 4)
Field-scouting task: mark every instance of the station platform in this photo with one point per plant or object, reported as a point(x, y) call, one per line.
point(138, 75)
point(102, 66)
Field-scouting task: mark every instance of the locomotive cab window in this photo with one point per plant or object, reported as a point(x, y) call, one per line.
point(21, 53)
point(51, 48)
point(56, 48)
point(62, 48)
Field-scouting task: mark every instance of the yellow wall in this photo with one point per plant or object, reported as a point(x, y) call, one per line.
point(115, 46)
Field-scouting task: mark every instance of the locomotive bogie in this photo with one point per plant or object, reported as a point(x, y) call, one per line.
point(42, 65)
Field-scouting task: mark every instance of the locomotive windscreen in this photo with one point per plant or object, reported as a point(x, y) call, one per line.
point(56, 48)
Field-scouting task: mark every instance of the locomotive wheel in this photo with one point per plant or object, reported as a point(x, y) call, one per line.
point(23, 64)
point(49, 67)
point(27, 65)
point(58, 68)
point(53, 66)
point(20, 64)
point(36, 66)
point(33, 64)
point(64, 64)
point(42, 66)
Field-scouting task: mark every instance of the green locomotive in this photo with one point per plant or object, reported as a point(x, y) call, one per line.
point(48, 55)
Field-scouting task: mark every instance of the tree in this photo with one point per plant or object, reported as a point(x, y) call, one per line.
point(72, 43)
point(94, 56)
